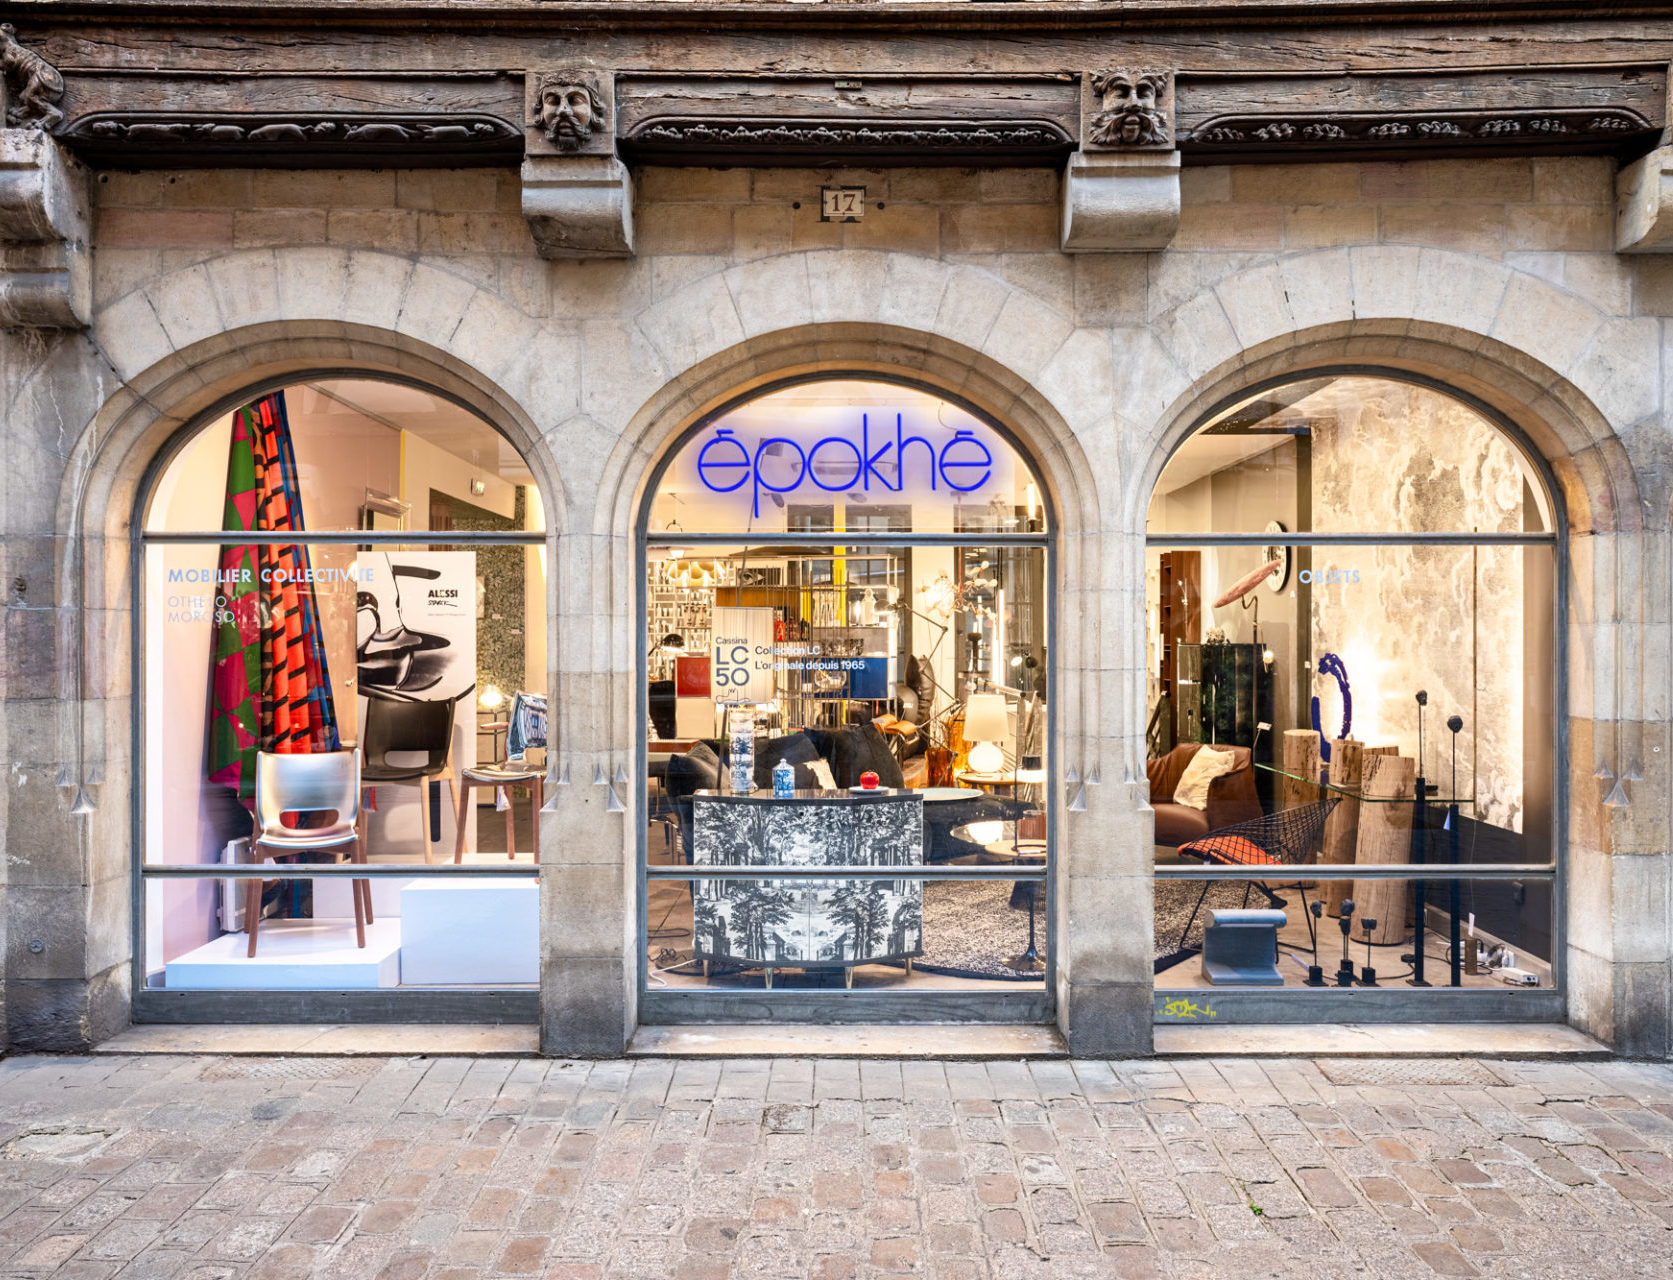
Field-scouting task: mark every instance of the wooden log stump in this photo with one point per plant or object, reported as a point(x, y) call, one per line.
point(1341, 831)
point(1301, 758)
point(1385, 837)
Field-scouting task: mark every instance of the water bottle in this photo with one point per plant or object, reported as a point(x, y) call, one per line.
point(784, 781)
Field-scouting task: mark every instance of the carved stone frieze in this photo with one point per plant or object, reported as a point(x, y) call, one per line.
point(1405, 130)
point(571, 109)
point(34, 87)
point(1131, 110)
point(142, 136)
point(879, 140)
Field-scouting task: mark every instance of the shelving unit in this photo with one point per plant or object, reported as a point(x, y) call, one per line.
point(684, 611)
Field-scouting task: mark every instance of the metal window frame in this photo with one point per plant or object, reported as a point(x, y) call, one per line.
point(1388, 1004)
point(801, 1005)
point(461, 1004)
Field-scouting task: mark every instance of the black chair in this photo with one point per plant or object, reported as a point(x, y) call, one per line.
point(662, 708)
point(1287, 838)
point(411, 728)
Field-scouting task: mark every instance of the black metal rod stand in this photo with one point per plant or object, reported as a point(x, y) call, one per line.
point(1454, 904)
point(1029, 961)
point(1419, 835)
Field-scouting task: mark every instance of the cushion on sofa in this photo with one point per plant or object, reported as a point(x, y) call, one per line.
point(1162, 772)
point(797, 748)
point(1208, 764)
point(696, 770)
point(854, 749)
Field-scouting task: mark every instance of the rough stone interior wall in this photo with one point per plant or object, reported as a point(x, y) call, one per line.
point(1446, 620)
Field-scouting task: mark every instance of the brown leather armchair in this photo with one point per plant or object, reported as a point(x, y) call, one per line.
point(1231, 796)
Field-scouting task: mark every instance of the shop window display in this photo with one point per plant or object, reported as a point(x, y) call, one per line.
point(1350, 659)
point(846, 583)
point(400, 634)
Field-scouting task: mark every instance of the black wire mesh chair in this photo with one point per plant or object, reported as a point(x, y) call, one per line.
point(1283, 839)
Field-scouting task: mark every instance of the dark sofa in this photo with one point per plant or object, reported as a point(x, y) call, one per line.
point(850, 751)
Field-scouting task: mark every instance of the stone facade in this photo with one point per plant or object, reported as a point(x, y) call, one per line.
point(1499, 277)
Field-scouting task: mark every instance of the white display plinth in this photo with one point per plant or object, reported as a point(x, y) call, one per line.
point(470, 932)
point(293, 955)
point(333, 898)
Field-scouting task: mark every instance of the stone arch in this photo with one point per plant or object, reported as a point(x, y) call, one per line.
point(105, 479)
point(1032, 399)
point(959, 329)
point(1550, 365)
point(1544, 358)
point(132, 428)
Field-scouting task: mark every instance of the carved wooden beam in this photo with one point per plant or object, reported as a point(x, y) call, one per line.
point(1571, 110)
point(879, 121)
point(155, 118)
point(292, 140)
point(189, 115)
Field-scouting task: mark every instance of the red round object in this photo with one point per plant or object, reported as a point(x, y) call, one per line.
point(868, 780)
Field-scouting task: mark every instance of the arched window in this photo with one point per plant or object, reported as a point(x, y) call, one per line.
point(846, 585)
point(341, 597)
point(1351, 660)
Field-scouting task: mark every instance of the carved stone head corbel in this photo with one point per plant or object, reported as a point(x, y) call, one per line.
point(569, 108)
point(1130, 109)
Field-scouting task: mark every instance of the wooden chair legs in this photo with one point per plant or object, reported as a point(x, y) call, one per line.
point(359, 890)
point(461, 813)
point(252, 912)
point(537, 788)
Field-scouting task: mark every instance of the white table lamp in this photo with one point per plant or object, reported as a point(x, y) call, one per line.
point(985, 725)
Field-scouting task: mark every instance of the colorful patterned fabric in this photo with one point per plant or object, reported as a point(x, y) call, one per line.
point(271, 689)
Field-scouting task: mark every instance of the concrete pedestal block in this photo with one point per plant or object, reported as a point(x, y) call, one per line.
point(293, 955)
point(579, 206)
point(1120, 202)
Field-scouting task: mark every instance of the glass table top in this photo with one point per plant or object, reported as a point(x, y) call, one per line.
point(1353, 793)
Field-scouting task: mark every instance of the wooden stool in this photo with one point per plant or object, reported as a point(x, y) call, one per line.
point(498, 776)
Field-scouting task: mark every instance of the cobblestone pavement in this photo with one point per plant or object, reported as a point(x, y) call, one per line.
point(208, 1167)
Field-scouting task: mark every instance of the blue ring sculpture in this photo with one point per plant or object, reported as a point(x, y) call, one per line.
point(1331, 665)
